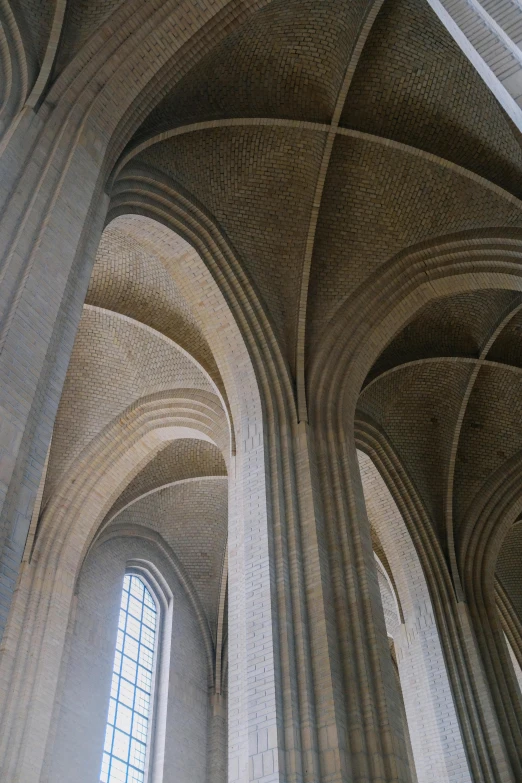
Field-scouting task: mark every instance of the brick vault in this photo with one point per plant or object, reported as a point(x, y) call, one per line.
point(260, 391)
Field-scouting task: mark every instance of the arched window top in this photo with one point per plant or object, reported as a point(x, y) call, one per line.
point(130, 706)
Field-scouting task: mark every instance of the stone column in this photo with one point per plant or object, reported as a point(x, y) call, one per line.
point(314, 630)
point(360, 732)
point(49, 231)
point(254, 720)
point(217, 739)
point(436, 738)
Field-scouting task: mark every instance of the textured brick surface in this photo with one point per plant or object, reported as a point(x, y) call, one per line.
point(288, 61)
point(406, 88)
point(182, 459)
point(248, 179)
point(418, 407)
point(406, 201)
point(302, 201)
point(130, 279)
point(437, 745)
point(136, 363)
point(191, 516)
point(77, 747)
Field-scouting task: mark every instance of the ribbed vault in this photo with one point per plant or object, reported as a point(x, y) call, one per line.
point(115, 362)
point(140, 347)
point(310, 211)
point(192, 517)
point(130, 278)
point(180, 460)
point(446, 393)
point(316, 179)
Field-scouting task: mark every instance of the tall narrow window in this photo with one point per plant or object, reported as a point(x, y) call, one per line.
point(130, 707)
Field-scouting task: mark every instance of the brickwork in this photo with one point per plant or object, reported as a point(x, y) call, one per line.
point(128, 278)
point(38, 18)
point(417, 100)
point(312, 244)
point(83, 18)
point(451, 326)
point(245, 191)
point(354, 237)
point(76, 750)
point(437, 745)
point(137, 364)
point(308, 77)
point(496, 424)
point(431, 394)
point(191, 516)
point(182, 459)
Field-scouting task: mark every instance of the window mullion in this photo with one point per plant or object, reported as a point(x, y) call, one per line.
point(119, 766)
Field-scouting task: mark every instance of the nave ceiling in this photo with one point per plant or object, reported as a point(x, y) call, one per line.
point(323, 148)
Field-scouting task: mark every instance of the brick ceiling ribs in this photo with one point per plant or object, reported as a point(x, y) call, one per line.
point(192, 517)
point(35, 19)
point(82, 19)
point(414, 85)
point(129, 278)
point(446, 392)
point(451, 326)
point(417, 406)
point(406, 199)
point(180, 460)
point(294, 130)
point(287, 61)
point(324, 140)
point(139, 340)
point(248, 179)
point(115, 362)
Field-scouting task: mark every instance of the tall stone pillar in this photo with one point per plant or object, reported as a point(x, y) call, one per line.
point(337, 691)
point(376, 744)
point(50, 226)
point(217, 739)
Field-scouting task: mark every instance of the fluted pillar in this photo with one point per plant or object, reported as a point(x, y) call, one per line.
point(337, 712)
point(340, 702)
point(375, 733)
point(50, 226)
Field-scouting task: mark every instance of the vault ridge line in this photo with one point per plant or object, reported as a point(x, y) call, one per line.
point(450, 480)
point(192, 127)
point(364, 31)
point(312, 127)
point(470, 360)
point(179, 482)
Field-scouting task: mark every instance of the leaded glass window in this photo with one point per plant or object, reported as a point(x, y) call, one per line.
point(130, 707)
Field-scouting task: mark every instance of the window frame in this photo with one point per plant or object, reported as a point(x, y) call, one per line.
point(162, 598)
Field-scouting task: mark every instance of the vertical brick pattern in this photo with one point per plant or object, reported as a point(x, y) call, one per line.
point(432, 720)
point(312, 691)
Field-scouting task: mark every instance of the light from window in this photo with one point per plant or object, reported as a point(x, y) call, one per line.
point(130, 703)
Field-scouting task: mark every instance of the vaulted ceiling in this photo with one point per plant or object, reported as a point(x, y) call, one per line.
point(321, 162)
point(139, 340)
point(323, 140)
point(447, 394)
